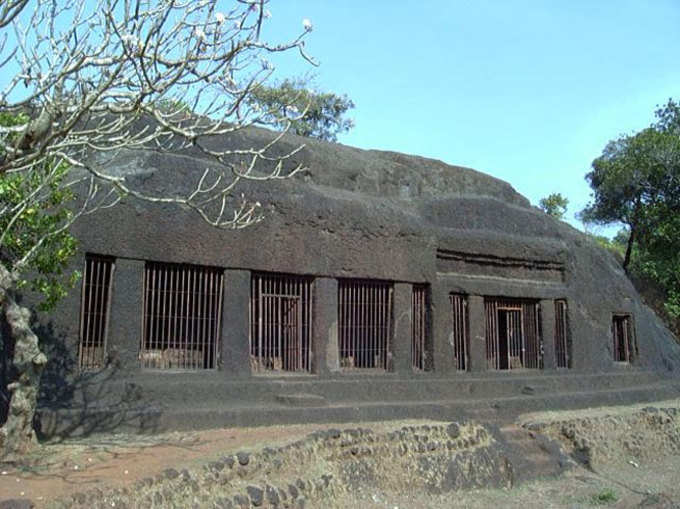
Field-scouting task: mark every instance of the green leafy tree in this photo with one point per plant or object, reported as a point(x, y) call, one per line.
point(636, 182)
point(36, 209)
point(307, 112)
point(554, 205)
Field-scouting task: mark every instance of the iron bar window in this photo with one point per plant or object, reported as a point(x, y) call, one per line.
point(280, 323)
point(421, 355)
point(513, 334)
point(562, 339)
point(625, 346)
point(95, 303)
point(460, 331)
point(182, 313)
point(365, 323)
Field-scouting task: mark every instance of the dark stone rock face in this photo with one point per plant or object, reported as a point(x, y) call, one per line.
point(16, 503)
point(351, 214)
point(256, 495)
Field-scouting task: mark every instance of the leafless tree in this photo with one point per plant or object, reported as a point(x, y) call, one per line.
point(87, 80)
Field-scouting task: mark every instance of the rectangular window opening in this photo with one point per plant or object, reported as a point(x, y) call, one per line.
point(95, 303)
point(460, 331)
point(623, 332)
point(562, 338)
point(365, 324)
point(182, 315)
point(280, 323)
point(513, 338)
point(421, 348)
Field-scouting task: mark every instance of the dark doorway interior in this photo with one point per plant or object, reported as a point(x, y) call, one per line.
point(509, 337)
point(503, 338)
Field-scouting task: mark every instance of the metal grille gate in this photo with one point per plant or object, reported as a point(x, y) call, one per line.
point(365, 318)
point(95, 302)
point(280, 323)
point(624, 344)
point(420, 354)
point(460, 328)
point(512, 334)
point(562, 346)
point(182, 314)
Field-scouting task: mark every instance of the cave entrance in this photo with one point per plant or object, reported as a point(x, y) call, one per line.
point(510, 340)
point(513, 339)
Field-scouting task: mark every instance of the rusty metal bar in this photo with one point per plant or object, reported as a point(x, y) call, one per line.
point(520, 336)
point(419, 340)
point(94, 311)
point(182, 316)
point(364, 313)
point(281, 323)
point(622, 332)
point(459, 330)
point(562, 353)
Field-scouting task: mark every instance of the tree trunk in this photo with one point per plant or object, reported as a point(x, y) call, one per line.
point(17, 435)
point(629, 249)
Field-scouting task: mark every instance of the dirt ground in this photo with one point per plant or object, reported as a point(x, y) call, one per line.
point(617, 478)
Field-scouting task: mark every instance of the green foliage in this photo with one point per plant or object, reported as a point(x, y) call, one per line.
point(554, 205)
point(636, 182)
point(309, 112)
point(617, 245)
point(659, 260)
point(634, 179)
point(605, 497)
point(34, 206)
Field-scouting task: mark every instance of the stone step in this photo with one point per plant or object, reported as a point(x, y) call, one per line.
point(301, 400)
point(138, 416)
point(531, 455)
point(174, 390)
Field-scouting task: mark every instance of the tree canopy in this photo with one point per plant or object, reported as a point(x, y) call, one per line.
point(306, 111)
point(554, 205)
point(636, 182)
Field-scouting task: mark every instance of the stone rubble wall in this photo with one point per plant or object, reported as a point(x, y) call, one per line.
point(325, 465)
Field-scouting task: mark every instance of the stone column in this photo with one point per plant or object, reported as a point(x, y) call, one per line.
point(477, 319)
point(401, 340)
point(441, 331)
point(325, 326)
point(235, 350)
point(548, 333)
point(126, 313)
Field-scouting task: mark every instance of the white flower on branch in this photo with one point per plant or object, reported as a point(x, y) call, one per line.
point(219, 17)
point(307, 25)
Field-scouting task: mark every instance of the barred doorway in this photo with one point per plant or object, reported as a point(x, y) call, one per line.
point(280, 323)
point(365, 324)
point(510, 337)
point(513, 334)
point(182, 313)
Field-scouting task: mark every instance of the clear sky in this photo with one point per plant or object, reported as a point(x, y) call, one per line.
point(529, 91)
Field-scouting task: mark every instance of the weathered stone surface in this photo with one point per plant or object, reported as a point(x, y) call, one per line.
point(352, 214)
point(256, 495)
point(16, 503)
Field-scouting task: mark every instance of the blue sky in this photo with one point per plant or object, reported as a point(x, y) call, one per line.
point(528, 91)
